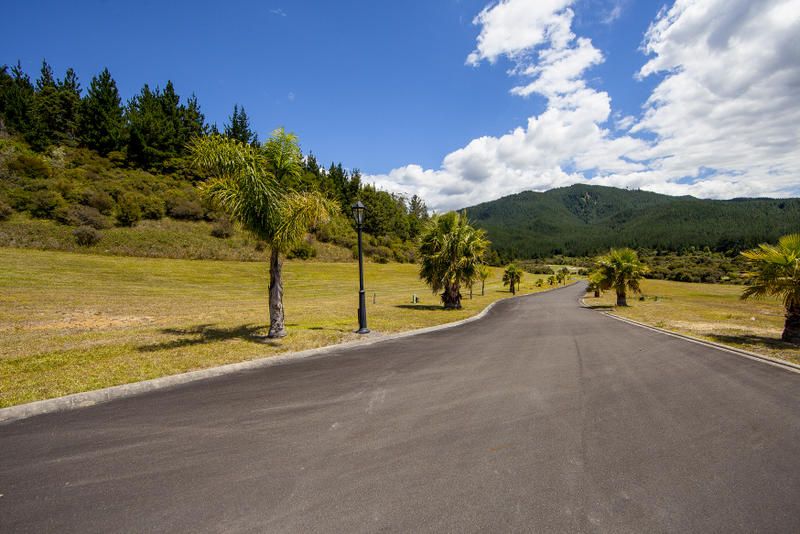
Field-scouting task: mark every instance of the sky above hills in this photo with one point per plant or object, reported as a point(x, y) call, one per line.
point(463, 101)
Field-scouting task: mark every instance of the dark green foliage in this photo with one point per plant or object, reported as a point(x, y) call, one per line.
point(28, 166)
point(6, 211)
point(583, 220)
point(303, 251)
point(86, 236)
point(129, 209)
point(239, 127)
point(101, 125)
point(223, 228)
point(79, 215)
point(16, 100)
point(101, 201)
point(44, 203)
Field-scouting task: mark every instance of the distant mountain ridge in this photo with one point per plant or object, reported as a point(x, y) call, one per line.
point(583, 219)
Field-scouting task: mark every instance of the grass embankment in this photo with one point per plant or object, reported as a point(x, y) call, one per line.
point(164, 238)
point(709, 311)
point(76, 322)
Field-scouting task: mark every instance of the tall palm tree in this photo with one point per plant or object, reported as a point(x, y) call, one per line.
point(243, 182)
point(512, 277)
point(776, 272)
point(450, 250)
point(621, 271)
point(564, 272)
point(483, 273)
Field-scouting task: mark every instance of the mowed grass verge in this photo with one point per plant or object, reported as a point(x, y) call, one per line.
point(709, 311)
point(76, 322)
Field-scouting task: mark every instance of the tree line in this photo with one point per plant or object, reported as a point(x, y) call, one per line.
point(152, 132)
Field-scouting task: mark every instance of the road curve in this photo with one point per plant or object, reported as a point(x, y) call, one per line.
point(542, 417)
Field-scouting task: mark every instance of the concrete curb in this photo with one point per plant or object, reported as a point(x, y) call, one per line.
point(788, 366)
point(98, 396)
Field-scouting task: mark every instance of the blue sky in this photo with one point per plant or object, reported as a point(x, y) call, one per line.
point(384, 86)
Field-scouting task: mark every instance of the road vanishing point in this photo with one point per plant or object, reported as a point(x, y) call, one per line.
point(541, 417)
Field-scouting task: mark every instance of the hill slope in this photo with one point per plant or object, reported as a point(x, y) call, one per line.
point(586, 219)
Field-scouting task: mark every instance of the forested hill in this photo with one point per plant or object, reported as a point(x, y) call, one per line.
point(583, 219)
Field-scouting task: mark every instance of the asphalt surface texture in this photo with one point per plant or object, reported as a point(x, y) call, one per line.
point(541, 417)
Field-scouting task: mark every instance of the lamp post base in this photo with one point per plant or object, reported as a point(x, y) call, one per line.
point(363, 331)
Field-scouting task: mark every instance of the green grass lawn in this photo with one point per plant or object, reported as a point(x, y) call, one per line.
point(75, 322)
point(709, 311)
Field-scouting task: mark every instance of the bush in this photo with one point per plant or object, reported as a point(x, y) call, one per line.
point(152, 207)
point(186, 209)
point(101, 201)
point(44, 203)
point(86, 236)
point(129, 210)
point(87, 216)
point(222, 228)
point(5, 211)
point(303, 251)
point(28, 167)
point(382, 254)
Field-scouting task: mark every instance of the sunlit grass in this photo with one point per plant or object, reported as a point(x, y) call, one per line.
point(74, 322)
point(709, 311)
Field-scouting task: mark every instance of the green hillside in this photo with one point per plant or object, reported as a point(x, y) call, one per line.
point(583, 219)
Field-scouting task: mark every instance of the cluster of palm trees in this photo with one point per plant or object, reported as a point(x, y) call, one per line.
point(774, 272)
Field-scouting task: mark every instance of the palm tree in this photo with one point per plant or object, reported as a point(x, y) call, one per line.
point(243, 182)
point(483, 274)
point(776, 272)
point(621, 270)
point(564, 272)
point(512, 277)
point(539, 282)
point(551, 280)
point(595, 283)
point(451, 250)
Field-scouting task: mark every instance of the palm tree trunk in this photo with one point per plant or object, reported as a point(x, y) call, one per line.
point(452, 297)
point(277, 328)
point(791, 329)
point(596, 294)
point(622, 299)
point(483, 283)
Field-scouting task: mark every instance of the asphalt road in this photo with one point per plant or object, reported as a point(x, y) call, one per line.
point(542, 417)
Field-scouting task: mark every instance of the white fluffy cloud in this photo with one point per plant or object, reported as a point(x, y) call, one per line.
point(723, 122)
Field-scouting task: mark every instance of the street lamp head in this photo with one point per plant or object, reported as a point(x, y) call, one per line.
point(359, 210)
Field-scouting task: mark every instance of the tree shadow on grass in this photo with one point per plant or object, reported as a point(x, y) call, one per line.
point(424, 307)
point(774, 343)
point(206, 333)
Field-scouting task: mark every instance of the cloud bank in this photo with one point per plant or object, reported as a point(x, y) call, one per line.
point(723, 122)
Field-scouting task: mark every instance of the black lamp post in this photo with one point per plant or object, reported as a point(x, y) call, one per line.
point(358, 214)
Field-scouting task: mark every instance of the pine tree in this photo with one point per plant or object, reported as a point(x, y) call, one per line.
point(101, 124)
point(239, 127)
point(16, 104)
point(44, 128)
point(69, 94)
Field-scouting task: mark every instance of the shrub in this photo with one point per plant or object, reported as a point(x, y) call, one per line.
point(44, 203)
point(87, 216)
point(101, 201)
point(129, 210)
point(152, 207)
point(222, 228)
point(86, 236)
point(303, 251)
point(29, 167)
point(5, 211)
point(382, 254)
point(186, 209)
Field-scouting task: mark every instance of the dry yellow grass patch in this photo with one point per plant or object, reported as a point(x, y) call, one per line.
point(709, 311)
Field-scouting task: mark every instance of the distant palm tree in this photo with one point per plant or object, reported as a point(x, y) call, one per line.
point(450, 251)
point(621, 270)
point(595, 283)
point(539, 282)
point(483, 273)
point(776, 272)
point(512, 277)
point(564, 272)
point(243, 182)
point(551, 280)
